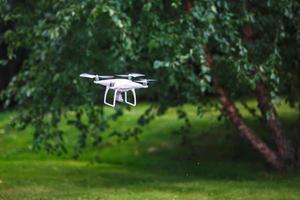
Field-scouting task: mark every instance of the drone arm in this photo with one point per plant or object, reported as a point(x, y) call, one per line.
point(105, 97)
point(134, 98)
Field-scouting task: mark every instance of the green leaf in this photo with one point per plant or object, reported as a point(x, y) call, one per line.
point(3, 62)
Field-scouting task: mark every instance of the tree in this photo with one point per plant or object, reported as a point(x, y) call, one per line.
point(198, 48)
point(231, 45)
point(228, 41)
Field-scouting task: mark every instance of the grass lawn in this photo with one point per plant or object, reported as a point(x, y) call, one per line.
point(214, 163)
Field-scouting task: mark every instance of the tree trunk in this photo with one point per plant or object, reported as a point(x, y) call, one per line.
point(245, 131)
point(266, 107)
point(270, 116)
point(188, 5)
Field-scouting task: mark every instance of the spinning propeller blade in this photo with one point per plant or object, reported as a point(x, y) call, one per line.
point(86, 75)
point(145, 80)
point(105, 77)
point(134, 75)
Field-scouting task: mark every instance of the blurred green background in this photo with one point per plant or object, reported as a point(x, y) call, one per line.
point(221, 122)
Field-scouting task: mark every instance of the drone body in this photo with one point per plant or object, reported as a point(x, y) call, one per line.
point(119, 85)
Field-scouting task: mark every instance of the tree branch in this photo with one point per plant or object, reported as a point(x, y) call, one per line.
point(245, 131)
point(269, 114)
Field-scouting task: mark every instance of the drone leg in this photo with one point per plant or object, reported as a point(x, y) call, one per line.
point(126, 97)
point(105, 97)
point(134, 98)
point(115, 96)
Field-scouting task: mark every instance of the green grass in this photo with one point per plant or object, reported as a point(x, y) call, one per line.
point(214, 163)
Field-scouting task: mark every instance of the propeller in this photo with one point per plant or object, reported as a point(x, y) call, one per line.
point(145, 81)
point(130, 75)
point(86, 75)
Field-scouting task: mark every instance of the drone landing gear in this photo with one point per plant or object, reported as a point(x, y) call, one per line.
point(134, 98)
point(105, 99)
point(118, 97)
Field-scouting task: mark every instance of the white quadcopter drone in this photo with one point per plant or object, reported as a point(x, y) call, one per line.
point(119, 85)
